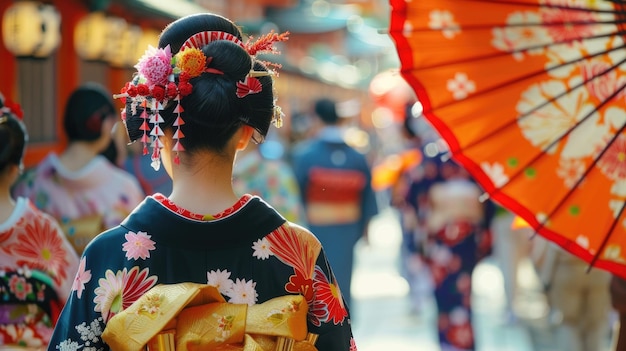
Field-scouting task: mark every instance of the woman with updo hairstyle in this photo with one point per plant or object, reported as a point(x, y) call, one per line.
point(37, 262)
point(195, 102)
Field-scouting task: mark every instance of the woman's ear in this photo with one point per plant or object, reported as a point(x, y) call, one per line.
point(244, 137)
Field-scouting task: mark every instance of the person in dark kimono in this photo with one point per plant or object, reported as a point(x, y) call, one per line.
point(198, 99)
point(335, 182)
point(454, 237)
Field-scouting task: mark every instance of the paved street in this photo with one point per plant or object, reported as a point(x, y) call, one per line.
point(382, 319)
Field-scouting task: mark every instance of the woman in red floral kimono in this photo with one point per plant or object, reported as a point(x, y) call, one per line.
point(197, 100)
point(37, 263)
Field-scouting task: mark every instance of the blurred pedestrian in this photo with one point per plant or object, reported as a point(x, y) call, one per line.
point(512, 245)
point(578, 298)
point(617, 290)
point(335, 180)
point(198, 99)
point(80, 188)
point(266, 174)
point(404, 198)
point(151, 181)
point(117, 150)
point(454, 235)
point(37, 264)
point(129, 157)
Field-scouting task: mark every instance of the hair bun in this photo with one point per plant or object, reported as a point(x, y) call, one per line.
point(229, 58)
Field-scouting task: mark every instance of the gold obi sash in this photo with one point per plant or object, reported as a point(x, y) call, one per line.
point(194, 317)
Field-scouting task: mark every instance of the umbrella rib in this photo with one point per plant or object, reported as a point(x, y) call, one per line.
point(566, 41)
point(550, 6)
point(593, 163)
point(453, 153)
point(508, 25)
point(580, 179)
point(518, 50)
point(566, 133)
point(534, 74)
point(551, 100)
point(606, 238)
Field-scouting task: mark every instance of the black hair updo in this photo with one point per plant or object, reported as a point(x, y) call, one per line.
point(13, 138)
point(86, 108)
point(212, 111)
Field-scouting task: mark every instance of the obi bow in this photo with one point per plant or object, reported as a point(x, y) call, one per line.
point(194, 317)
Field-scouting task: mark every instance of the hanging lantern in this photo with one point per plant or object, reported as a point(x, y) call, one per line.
point(98, 37)
point(115, 29)
point(125, 46)
point(148, 37)
point(90, 36)
point(31, 29)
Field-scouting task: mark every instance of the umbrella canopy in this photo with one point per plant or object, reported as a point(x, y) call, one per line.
point(529, 95)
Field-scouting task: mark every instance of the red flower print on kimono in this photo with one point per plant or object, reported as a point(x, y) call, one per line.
point(300, 285)
point(4, 236)
point(464, 283)
point(117, 291)
point(24, 335)
point(461, 336)
point(300, 251)
point(295, 251)
point(352, 345)
point(452, 235)
point(328, 297)
point(39, 247)
point(20, 287)
point(443, 322)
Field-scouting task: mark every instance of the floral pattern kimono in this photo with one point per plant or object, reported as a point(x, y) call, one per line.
point(249, 252)
point(37, 266)
point(85, 202)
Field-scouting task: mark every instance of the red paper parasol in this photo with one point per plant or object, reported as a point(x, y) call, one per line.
point(529, 95)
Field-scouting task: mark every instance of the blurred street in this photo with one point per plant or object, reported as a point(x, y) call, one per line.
point(383, 320)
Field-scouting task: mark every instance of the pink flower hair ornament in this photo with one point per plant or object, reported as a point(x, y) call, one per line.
point(162, 77)
point(155, 65)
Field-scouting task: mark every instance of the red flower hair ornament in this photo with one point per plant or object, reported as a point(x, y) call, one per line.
point(10, 107)
point(163, 77)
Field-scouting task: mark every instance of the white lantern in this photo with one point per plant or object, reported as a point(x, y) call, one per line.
point(149, 37)
point(90, 36)
point(125, 47)
point(31, 29)
point(114, 50)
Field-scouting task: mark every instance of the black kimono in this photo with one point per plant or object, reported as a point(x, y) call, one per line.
point(249, 252)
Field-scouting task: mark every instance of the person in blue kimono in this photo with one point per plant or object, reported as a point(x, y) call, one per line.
point(335, 182)
point(198, 99)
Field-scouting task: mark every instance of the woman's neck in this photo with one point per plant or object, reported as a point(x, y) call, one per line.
point(7, 204)
point(77, 155)
point(206, 187)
